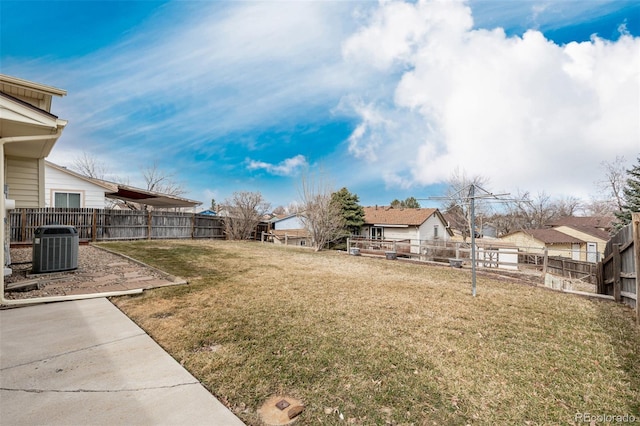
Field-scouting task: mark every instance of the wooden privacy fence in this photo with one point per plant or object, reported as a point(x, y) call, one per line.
point(585, 271)
point(618, 271)
point(104, 225)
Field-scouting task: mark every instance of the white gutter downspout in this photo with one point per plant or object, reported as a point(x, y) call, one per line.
point(4, 301)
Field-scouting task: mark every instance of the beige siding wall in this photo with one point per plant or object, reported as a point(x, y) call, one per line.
point(522, 240)
point(26, 181)
point(565, 250)
point(601, 244)
point(528, 243)
point(400, 233)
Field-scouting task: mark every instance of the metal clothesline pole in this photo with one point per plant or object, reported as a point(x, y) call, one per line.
point(473, 240)
point(483, 194)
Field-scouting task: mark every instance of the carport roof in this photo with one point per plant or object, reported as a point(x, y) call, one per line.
point(150, 198)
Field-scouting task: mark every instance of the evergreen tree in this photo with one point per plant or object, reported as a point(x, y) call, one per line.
point(409, 203)
point(352, 211)
point(631, 196)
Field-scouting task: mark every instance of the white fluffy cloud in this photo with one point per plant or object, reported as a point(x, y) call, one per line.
point(523, 111)
point(287, 167)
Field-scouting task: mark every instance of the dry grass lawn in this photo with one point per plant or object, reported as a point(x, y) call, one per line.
point(370, 341)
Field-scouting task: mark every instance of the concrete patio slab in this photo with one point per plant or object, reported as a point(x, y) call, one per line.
point(85, 362)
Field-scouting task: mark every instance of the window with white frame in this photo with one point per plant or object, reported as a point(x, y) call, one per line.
point(376, 233)
point(435, 232)
point(67, 200)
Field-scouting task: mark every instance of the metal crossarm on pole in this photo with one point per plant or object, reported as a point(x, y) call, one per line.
point(475, 192)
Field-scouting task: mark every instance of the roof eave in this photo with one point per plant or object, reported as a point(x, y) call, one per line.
point(49, 90)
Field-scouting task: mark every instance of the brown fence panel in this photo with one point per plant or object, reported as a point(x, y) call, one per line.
point(105, 225)
point(208, 227)
point(619, 276)
point(569, 268)
point(123, 225)
point(170, 225)
point(24, 222)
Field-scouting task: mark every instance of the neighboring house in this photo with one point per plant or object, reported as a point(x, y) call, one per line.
point(595, 239)
point(594, 230)
point(557, 243)
point(489, 230)
point(457, 224)
point(414, 225)
point(603, 223)
point(208, 212)
point(68, 189)
point(289, 230)
point(291, 221)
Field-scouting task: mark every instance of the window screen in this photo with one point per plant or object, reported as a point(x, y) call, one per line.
point(67, 200)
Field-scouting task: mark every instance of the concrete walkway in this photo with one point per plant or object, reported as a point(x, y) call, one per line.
point(85, 362)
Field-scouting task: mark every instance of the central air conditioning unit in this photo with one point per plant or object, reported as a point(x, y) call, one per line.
point(55, 249)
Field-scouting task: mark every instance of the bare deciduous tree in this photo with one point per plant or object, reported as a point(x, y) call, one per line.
point(321, 217)
point(566, 206)
point(615, 178)
point(244, 211)
point(279, 211)
point(533, 213)
point(598, 207)
point(158, 180)
point(458, 203)
point(88, 165)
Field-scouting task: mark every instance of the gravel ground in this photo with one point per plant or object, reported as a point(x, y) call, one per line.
point(98, 270)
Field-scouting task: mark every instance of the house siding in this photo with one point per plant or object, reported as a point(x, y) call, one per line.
point(527, 242)
point(427, 230)
point(292, 222)
point(23, 176)
point(91, 196)
point(601, 244)
point(415, 234)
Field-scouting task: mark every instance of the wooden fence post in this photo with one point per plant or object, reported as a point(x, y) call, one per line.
point(23, 227)
point(545, 262)
point(94, 226)
point(635, 218)
point(617, 281)
point(148, 224)
point(600, 278)
point(193, 226)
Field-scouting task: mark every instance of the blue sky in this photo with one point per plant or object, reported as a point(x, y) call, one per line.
point(386, 99)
